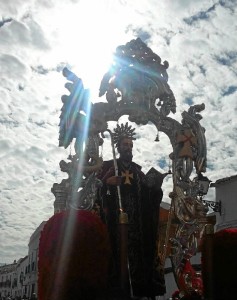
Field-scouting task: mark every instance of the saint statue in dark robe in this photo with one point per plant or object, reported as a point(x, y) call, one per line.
point(141, 196)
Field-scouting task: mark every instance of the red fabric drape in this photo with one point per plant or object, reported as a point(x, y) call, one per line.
point(73, 256)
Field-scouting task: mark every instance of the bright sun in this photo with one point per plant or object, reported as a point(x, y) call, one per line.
point(93, 38)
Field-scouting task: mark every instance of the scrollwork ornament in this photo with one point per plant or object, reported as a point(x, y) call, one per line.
point(136, 85)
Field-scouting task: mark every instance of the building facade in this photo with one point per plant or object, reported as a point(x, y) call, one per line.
point(226, 195)
point(7, 279)
point(20, 278)
point(32, 274)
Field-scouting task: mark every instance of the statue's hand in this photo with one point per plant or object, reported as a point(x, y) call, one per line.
point(114, 180)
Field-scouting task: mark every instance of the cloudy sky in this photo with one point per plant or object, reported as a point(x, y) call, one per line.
point(39, 37)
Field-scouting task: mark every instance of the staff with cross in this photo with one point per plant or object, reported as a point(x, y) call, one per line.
point(140, 201)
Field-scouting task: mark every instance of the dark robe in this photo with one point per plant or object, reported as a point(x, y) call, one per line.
point(142, 206)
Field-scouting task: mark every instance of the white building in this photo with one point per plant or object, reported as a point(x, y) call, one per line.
point(32, 274)
point(20, 278)
point(21, 271)
point(7, 279)
point(226, 194)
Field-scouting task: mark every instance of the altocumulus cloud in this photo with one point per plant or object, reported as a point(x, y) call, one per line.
point(39, 38)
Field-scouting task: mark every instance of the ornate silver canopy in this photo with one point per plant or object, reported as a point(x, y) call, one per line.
point(135, 85)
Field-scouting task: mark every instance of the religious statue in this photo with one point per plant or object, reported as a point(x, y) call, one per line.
point(126, 199)
point(141, 196)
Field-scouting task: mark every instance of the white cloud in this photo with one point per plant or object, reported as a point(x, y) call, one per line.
point(196, 37)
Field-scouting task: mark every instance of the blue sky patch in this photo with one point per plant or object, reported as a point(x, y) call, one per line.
point(230, 90)
point(162, 163)
point(202, 15)
point(188, 101)
point(228, 58)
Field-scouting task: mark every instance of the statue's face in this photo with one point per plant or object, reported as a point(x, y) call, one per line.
point(125, 149)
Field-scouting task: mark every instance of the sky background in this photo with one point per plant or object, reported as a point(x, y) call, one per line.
point(40, 37)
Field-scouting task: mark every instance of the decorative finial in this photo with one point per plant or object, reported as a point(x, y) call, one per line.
point(157, 138)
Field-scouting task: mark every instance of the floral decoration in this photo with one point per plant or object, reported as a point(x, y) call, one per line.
point(177, 295)
point(73, 256)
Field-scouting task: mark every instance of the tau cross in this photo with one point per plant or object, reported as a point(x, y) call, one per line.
point(127, 176)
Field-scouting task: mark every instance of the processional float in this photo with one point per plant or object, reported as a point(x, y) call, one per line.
point(137, 85)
